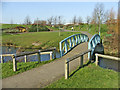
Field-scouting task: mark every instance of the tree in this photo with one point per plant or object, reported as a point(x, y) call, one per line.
point(27, 20)
point(59, 22)
point(11, 22)
point(99, 12)
point(79, 21)
point(88, 21)
point(55, 20)
point(50, 20)
point(74, 20)
point(94, 19)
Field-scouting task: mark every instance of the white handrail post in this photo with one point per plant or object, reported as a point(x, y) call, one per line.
point(51, 55)
point(39, 57)
point(14, 63)
point(96, 59)
point(25, 58)
point(1, 59)
point(66, 69)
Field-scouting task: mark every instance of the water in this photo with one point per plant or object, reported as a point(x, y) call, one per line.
point(109, 64)
point(13, 50)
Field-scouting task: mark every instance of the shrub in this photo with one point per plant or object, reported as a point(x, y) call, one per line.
point(33, 28)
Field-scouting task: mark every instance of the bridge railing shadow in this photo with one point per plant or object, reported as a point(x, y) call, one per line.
point(68, 60)
point(89, 62)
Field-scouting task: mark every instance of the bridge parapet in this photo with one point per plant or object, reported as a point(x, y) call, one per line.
point(70, 42)
point(92, 43)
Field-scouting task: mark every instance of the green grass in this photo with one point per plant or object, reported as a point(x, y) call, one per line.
point(42, 39)
point(7, 68)
point(90, 76)
point(5, 26)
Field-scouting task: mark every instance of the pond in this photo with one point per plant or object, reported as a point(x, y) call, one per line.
point(109, 64)
point(13, 50)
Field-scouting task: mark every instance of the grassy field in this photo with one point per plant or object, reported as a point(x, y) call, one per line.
point(35, 40)
point(7, 68)
point(5, 26)
point(90, 76)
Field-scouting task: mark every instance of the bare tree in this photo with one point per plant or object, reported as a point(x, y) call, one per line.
point(88, 21)
point(50, 20)
point(74, 20)
point(79, 21)
point(55, 20)
point(99, 10)
point(59, 22)
point(94, 18)
point(11, 22)
point(27, 20)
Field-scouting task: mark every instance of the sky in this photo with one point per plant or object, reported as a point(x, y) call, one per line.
point(17, 11)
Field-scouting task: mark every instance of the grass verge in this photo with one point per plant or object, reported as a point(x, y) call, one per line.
point(90, 76)
point(7, 68)
point(36, 40)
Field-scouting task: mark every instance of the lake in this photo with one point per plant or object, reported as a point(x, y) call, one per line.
point(13, 50)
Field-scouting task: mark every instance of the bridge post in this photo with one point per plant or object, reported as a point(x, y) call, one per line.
point(96, 59)
point(25, 58)
point(66, 69)
point(14, 63)
point(81, 64)
point(2, 59)
point(39, 58)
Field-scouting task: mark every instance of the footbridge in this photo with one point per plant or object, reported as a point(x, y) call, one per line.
point(41, 76)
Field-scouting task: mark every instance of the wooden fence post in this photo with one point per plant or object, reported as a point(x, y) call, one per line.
point(1, 59)
point(39, 58)
point(81, 64)
point(66, 69)
point(54, 54)
point(51, 55)
point(14, 63)
point(96, 59)
point(25, 58)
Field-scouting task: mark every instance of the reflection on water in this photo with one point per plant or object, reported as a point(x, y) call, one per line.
point(13, 50)
point(109, 64)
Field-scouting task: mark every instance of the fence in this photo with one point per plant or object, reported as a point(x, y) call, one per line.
point(68, 43)
point(71, 59)
point(105, 56)
point(14, 56)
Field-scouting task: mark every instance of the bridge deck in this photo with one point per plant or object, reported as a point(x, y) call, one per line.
point(46, 74)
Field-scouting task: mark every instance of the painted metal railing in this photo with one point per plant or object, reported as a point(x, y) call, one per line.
point(70, 42)
point(92, 43)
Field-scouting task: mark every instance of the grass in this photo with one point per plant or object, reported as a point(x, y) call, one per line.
point(5, 26)
point(35, 40)
point(90, 76)
point(7, 68)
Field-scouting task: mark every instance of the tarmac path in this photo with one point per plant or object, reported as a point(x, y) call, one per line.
point(44, 75)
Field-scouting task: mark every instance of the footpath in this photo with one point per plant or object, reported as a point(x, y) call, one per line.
point(44, 75)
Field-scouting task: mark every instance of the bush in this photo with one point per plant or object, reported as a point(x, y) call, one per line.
point(33, 28)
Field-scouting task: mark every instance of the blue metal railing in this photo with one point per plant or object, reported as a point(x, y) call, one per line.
point(70, 42)
point(92, 43)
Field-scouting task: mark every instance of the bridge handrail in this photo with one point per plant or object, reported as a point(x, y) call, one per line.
point(92, 43)
point(73, 41)
point(71, 59)
point(105, 56)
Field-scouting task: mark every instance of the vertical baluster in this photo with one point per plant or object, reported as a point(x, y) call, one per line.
point(66, 49)
point(70, 43)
